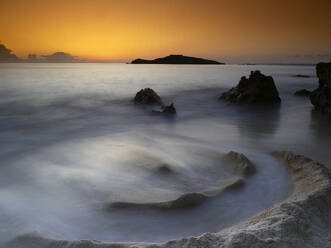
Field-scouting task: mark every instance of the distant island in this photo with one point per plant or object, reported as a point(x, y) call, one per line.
point(177, 59)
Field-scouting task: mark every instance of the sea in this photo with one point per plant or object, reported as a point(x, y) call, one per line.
point(72, 141)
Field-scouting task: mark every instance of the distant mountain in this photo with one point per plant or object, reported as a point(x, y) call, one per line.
point(177, 59)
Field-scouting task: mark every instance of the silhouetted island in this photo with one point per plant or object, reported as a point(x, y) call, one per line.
point(177, 59)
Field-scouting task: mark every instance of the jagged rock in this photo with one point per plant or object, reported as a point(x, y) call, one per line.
point(321, 97)
point(147, 96)
point(302, 92)
point(170, 109)
point(257, 88)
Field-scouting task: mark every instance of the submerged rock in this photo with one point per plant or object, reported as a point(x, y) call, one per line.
point(164, 169)
point(187, 200)
point(257, 88)
point(184, 201)
point(302, 92)
point(301, 76)
point(321, 97)
point(147, 96)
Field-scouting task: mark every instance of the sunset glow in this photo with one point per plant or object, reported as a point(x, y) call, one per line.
point(121, 30)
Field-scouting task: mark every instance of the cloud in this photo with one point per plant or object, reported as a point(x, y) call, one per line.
point(6, 55)
point(59, 57)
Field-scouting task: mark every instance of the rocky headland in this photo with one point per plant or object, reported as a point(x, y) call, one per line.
point(177, 59)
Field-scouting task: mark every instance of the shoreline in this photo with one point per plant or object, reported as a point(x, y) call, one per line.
point(301, 220)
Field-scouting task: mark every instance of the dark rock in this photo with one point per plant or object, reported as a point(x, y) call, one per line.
point(184, 201)
point(147, 96)
point(175, 59)
point(170, 109)
point(321, 97)
point(257, 88)
point(302, 92)
point(239, 163)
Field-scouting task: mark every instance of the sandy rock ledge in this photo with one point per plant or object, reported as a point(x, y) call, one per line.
point(302, 220)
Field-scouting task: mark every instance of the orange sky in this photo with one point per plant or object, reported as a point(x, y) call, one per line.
point(121, 30)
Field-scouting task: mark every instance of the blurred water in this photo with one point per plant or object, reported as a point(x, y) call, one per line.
point(72, 140)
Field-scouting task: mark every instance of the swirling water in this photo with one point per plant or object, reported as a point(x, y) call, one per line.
point(72, 140)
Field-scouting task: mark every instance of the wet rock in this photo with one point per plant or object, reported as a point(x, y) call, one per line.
point(170, 109)
point(302, 92)
point(147, 96)
point(184, 201)
point(321, 97)
point(240, 163)
point(257, 88)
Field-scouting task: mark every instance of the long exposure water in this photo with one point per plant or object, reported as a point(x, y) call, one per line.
point(72, 141)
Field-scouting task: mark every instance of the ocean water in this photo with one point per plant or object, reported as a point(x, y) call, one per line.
point(72, 141)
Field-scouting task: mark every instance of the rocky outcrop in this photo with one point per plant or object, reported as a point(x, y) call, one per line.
point(240, 163)
point(147, 96)
point(257, 88)
point(321, 97)
point(302, 92)
point(303, 220)
point(184, 201)
point(175, 59)
point(170, 109)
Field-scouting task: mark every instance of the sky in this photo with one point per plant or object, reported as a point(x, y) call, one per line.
point(122, 30)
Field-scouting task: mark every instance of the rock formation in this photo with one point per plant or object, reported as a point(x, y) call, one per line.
point(186, 200)
point(257, 88)
point(302, 92)
point(175, 59)
point(170, 109)
point(321, 97)
point(147, 96)
point(240, 163)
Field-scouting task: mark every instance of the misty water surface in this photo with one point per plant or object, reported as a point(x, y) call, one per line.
point(72, 141)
